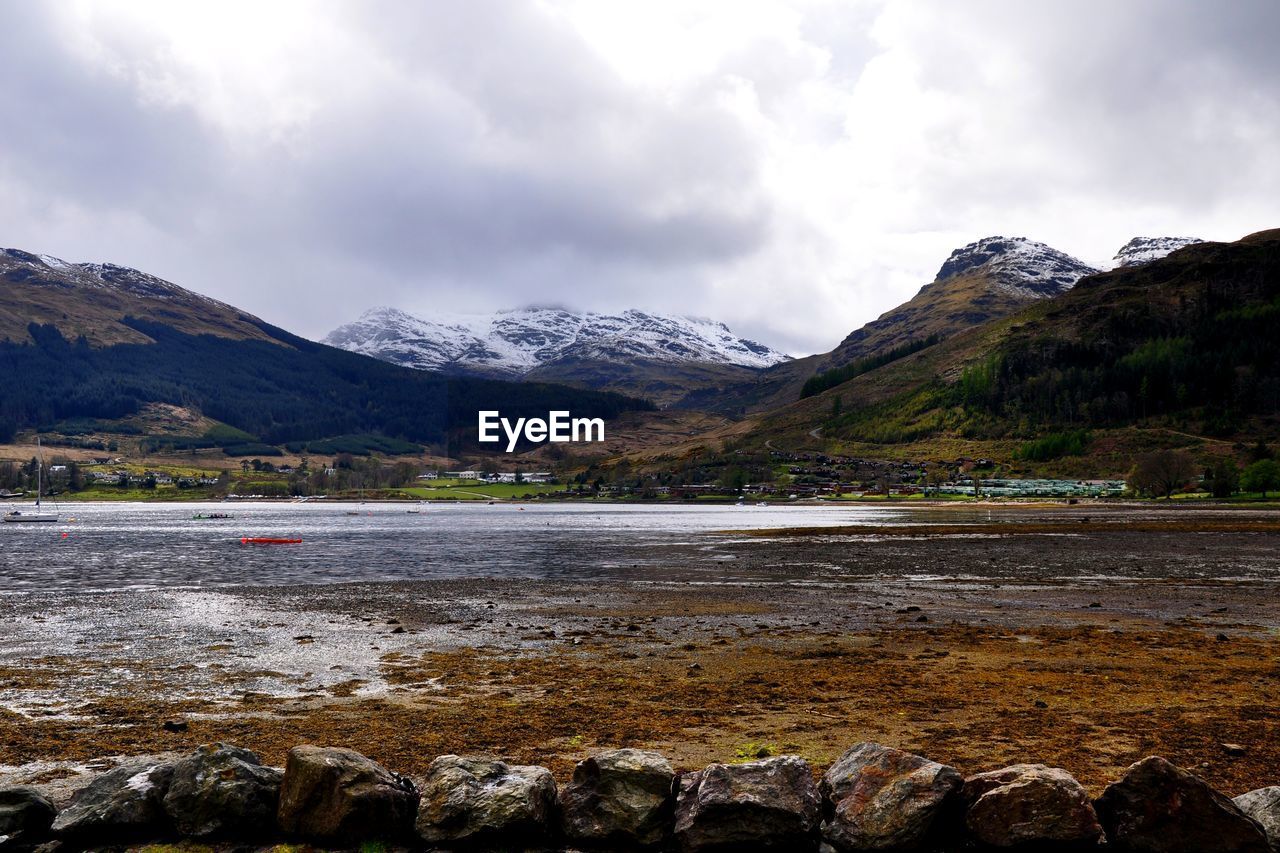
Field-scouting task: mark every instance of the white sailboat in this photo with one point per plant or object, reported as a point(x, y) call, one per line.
point(17, 516)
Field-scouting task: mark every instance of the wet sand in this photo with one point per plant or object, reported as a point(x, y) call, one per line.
point(1084, 648)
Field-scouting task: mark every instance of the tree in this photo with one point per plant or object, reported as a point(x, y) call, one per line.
point(1222, 479)
point(1161, 472)
point(1262, 476)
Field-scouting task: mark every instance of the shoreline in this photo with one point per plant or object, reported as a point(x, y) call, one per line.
point(958, 503)
point(1136, 641)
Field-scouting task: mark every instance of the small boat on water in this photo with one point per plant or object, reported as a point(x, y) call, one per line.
point(212, 516)
point(268, 540)
point(37, 517)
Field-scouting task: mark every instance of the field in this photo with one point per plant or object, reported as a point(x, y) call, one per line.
point(470, 490)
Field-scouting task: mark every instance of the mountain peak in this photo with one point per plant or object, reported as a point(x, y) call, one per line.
point(19, 265)
point(95, 300)
point(1142, 250)
point(1019, 266)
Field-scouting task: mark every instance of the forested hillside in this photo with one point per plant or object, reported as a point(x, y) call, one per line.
point(296, 392)
point(1187, 343)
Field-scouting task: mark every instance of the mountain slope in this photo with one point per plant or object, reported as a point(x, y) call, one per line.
point(87, 341)
point(92, 300)
point(637, 352)
point(989, 278)
point(1187, 340)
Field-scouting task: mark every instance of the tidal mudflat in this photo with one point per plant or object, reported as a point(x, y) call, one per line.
point(974, 636)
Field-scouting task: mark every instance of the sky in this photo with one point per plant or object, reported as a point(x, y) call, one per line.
point(793, 169)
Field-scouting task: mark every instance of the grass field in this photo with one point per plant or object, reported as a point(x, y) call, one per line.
point(470, 490)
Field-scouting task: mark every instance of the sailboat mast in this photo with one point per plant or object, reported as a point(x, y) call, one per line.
point(39, 472)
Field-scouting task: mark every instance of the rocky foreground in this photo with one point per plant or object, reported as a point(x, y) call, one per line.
point(874, 797)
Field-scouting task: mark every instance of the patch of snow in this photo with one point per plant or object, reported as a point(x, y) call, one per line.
point(53, 263)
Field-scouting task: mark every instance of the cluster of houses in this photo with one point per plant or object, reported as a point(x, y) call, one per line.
point(1006, 488)
point(495, 477)
point(159, 478)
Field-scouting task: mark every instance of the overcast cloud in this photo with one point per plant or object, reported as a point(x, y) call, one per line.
point(793, 169)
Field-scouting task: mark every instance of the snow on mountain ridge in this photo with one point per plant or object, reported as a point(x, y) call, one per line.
point(514, 342)
point(109, 277)
point(1142, 250)
point(1019, 266)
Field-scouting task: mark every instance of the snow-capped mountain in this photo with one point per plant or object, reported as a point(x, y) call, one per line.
point(1142, 250)
point(514, 343)
point(1018, 266)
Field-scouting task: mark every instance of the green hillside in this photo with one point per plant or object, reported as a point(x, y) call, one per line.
point(1186, 345)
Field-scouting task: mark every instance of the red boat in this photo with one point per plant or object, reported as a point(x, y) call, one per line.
point(266, 540)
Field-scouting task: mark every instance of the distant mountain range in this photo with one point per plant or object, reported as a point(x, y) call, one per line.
point(700, 364)
point(88, 343)
point(511, 344)
point(86, 346)
point(658, 356)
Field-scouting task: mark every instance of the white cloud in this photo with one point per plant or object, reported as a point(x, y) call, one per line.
point(792, 168)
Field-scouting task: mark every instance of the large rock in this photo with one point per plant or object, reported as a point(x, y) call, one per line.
point(123, 805)
point(1158, 808)
point(331, 795)
point(764, 805)
point(222, 791)
point(1029, 804)
point(620, 797)
point(25, 815)
point(886, 799)
point(1263, 805)
point(480, 801)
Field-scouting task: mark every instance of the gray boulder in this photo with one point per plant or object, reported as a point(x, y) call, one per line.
point(764, 805)
point(1156, 807)
point(886, 799)
point(25, 815)
point(222, 791)
point(1029, 804)
point(479, 801)
point(619, 798)
point(1263, 805)
point(123, 805)
point(332, 795)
